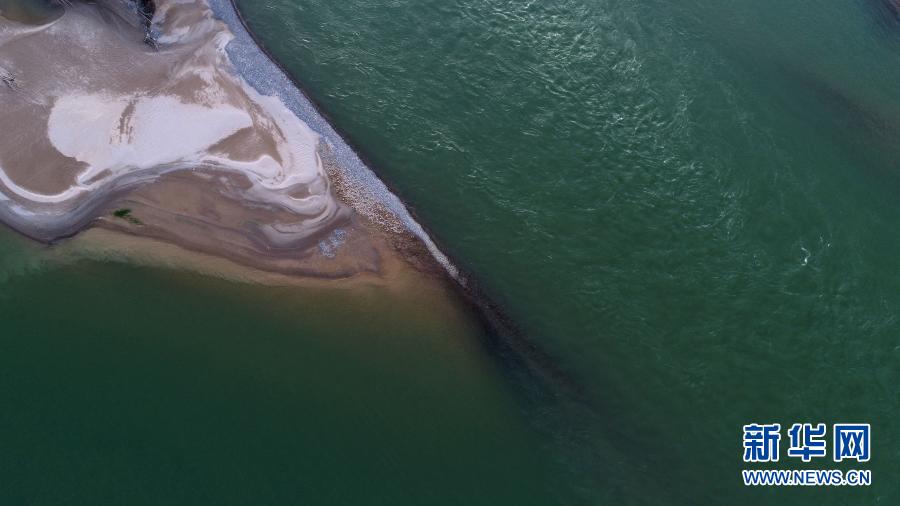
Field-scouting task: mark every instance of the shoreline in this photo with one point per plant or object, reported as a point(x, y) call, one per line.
point(505, 339)
point(110, 244)
point(256, 185)
point(262, 71)
point(389, 224)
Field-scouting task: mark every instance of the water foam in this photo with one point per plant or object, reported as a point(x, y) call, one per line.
point(267, 77)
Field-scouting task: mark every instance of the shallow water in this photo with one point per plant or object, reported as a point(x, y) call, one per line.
point(691, 206)
point(124, 384)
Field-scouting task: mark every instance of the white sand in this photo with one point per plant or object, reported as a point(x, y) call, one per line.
point(118, 114)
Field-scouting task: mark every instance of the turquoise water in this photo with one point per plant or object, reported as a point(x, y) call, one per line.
point(691, 206)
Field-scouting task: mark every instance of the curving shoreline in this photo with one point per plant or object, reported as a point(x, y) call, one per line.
point(202, 205)
point(209, 148)
point(101, 113)
point(505, 340)
point(213, 103)
point(263, 72)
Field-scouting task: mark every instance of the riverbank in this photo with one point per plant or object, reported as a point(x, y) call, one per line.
point(176, 388)
point(205, 144)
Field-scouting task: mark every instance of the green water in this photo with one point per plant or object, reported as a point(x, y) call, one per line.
point(127, 385)
point(692, 206)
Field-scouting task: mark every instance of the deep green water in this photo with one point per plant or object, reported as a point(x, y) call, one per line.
point(692, 206)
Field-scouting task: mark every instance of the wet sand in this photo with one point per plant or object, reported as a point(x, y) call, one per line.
point(166, 141)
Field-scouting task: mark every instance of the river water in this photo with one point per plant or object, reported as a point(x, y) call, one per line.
point(688, 208)
point(691, 206)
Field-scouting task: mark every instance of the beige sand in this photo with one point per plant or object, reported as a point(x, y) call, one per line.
point(168, 143)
